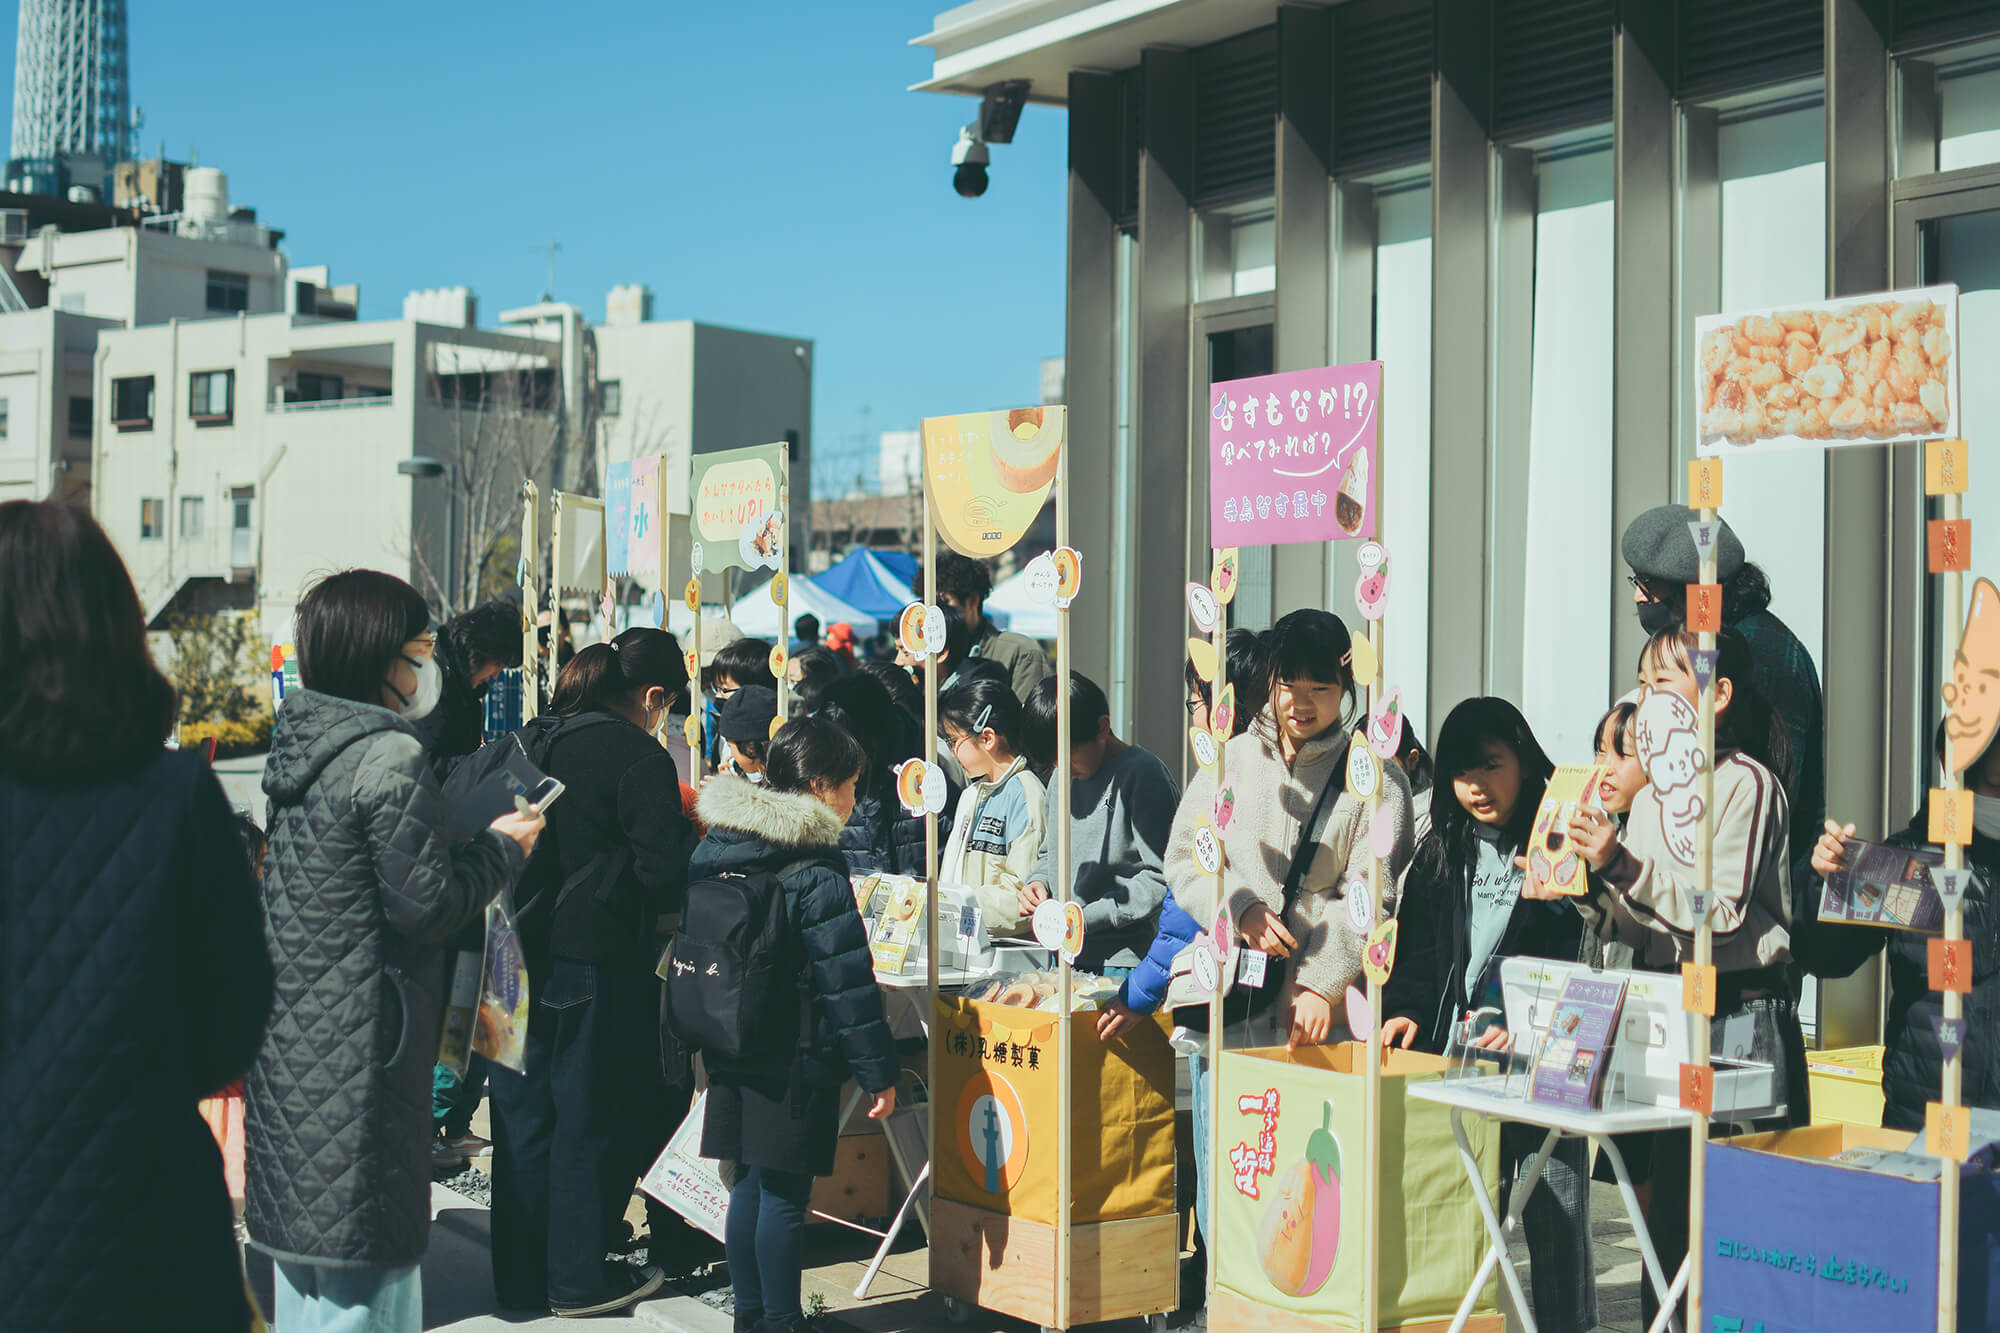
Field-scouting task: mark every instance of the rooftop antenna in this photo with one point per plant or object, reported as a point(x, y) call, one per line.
point(552, 249)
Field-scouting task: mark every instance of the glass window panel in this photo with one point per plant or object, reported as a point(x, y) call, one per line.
point(1968, 119)
point(1566, 612)
point(1774, 251)
point(1403, 345)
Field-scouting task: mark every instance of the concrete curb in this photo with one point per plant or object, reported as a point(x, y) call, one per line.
point(683, 1314)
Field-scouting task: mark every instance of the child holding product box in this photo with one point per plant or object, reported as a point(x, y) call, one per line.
point(996, 833)
point(1642, 892)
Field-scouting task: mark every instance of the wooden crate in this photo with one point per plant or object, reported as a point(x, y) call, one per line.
point(1231, 1313)
point(1119, 1270)
point(858, 1189)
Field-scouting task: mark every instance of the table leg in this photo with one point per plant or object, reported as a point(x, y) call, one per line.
point(1666, 1318)
point(895, 1229)
point(1633, 1213)
point(1496, 1254)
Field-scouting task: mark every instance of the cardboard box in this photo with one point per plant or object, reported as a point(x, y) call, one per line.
point(1794, 1240)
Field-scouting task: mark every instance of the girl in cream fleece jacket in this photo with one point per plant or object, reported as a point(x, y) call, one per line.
point(1276, 771)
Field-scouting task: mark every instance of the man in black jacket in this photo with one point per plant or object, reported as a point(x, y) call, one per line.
point(474, 647)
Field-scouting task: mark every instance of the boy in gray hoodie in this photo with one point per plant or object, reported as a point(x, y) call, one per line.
point(1122, 802)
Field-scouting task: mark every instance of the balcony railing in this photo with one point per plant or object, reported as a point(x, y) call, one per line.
point(334, 404)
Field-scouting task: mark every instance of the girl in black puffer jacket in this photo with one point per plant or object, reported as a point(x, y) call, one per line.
point(777, 1121)
point(1912, 1063)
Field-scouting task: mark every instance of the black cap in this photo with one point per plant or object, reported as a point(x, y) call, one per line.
point(1658, 545)
point(748, 714)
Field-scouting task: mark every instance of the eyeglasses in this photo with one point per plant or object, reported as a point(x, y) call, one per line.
point(1645, 587)
point(1194, 703)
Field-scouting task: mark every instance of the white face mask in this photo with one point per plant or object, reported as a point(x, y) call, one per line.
point(1986, 816)
point(430, 688)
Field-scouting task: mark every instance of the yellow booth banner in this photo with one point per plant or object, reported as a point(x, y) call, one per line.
point(987, 474)
point(996, 1115)
point(1288, 1196)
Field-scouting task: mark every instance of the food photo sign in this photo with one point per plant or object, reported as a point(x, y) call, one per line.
point(739, 507)
point(1292, 457)
point(1881, 369)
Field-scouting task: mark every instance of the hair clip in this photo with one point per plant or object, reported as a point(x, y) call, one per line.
point(1347, 658)
point(985, 716)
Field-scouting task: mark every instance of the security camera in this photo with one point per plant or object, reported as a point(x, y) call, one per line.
point(999, 113)
point(968, 160)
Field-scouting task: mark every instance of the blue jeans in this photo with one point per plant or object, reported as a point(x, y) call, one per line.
point(312, 1299)
point(767, 1216)
point(1198, 1079)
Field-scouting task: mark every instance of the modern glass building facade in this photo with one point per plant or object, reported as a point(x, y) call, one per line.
point(1519, 207)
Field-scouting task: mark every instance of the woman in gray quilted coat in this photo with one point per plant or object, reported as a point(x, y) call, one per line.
point(362, 891)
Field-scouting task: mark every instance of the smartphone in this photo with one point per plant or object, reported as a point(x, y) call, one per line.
point(539, 798)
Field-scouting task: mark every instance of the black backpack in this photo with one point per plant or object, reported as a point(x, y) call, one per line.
point(734, 988)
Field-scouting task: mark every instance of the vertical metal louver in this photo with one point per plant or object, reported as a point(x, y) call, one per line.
point(1551, 66)
point(1236, 108)
point(1924, 22)
point(1132, 98)
point(1381, 84)
point(1728, 46)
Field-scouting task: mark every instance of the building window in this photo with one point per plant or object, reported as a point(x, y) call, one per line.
point(132, 403)
point(152, 520)
point(191, 514)
point(610, 394)
point(80, 417)
point(3, 420)
point(242, 539)
point(317, 388)
point(212, 395)
point(305, 298)
point(228, 292)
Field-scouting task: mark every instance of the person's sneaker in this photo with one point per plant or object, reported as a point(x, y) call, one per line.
point(470, 1145)
point(627, 1289)
point(445, 1158)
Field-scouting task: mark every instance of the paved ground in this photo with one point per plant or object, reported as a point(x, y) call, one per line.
point(243, 782)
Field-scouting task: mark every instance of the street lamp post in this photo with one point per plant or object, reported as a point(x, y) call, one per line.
point(423, 465)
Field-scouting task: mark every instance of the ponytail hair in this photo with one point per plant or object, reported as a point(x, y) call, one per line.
point(605, 676)
point(1749, 725)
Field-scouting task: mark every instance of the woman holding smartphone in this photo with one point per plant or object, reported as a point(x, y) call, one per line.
point(594, 1105)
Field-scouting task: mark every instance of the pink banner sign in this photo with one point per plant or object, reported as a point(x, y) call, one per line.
point(1292, 457)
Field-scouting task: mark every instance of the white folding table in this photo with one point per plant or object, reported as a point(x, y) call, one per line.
point(1498, 1097)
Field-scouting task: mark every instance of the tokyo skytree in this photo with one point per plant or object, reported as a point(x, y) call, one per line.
point(72, 82)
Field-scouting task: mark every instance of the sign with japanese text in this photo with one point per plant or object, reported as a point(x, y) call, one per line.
point(1880, 369)
point(987, 474)
point(618, 519)
point(645, 522)
point(997, 1096)
point(1293, 457)
point(738, 500)
point(1290, 1187)
point(1800, 1243)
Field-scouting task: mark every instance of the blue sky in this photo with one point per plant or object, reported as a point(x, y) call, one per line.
point(756, 164)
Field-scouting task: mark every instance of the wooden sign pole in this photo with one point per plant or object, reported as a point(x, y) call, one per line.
point(1371, 1112)
point(1951, 1091)
point(1216, 1161)
point(1704, 949)
point(784, 585)
point(931, 836)
point(531, 609)
point(1064, 1156)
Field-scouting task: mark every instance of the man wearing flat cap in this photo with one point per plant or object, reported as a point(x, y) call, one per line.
point(1661, 551)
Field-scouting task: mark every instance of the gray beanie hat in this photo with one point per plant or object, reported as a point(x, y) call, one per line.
point(1658, 545)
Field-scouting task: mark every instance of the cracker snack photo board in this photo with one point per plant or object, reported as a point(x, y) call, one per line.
point(739, 498)
point(1880, 369)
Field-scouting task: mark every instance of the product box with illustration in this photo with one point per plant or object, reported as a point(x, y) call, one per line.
point(994, 1168)
point(1834, 1228)
point(1288, 1199)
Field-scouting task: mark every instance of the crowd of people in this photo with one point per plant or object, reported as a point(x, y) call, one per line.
point(151, 963)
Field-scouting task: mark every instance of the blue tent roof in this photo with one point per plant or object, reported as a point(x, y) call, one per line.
point(901, 564)
point(868, 582)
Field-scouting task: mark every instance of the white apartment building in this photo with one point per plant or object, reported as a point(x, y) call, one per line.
point(60, 288)
point(46, 396)
point(680, 387)
point(237, 459)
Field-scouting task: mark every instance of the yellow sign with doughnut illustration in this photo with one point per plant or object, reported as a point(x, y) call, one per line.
point(987, 474)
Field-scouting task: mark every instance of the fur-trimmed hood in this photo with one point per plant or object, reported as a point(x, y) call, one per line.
point(789, 819)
